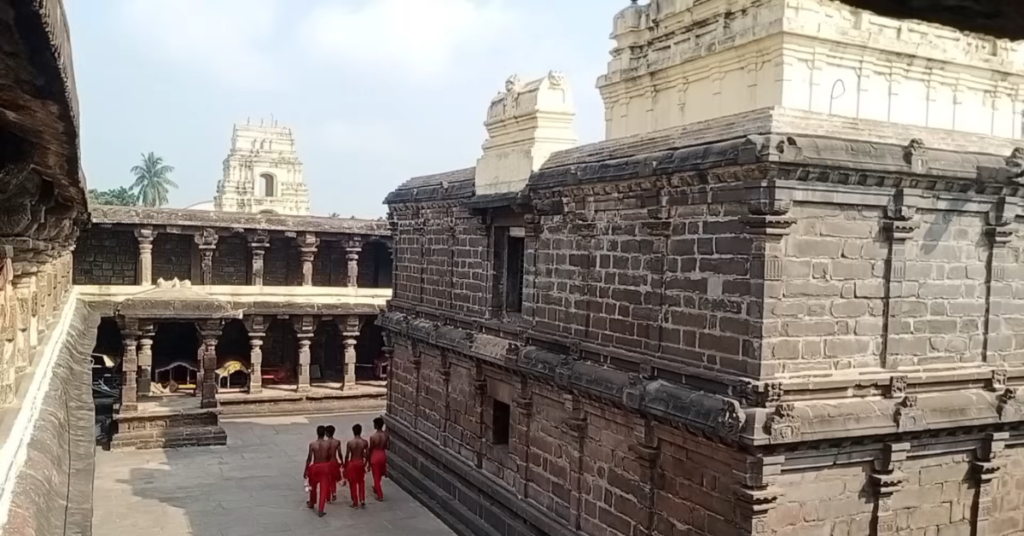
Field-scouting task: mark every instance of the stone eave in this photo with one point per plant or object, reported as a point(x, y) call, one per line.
point(138, 216)
point(41, 99)
point(850, 162)
point(720, 416)
point(712, 414)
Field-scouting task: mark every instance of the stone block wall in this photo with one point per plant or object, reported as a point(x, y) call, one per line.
point(53, 490)
point(573, 464)
point(282, 266)
point(231, 261)
point(106, 257)
point(330, 267)
point(172, 256)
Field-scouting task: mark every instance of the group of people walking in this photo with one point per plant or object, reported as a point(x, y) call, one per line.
point(326, 465)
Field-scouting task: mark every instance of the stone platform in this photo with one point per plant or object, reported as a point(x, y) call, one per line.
point(168, 422)
point(320, 399)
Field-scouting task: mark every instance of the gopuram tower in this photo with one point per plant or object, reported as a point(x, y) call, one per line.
point(262, 172)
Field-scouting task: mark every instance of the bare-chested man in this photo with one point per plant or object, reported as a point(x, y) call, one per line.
point(356, 452)
point(336, 457)
point(379, 443)
point(317, 469)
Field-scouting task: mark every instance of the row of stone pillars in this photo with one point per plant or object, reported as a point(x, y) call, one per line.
point(137, 364)
point(258, 243)
point(28, 302)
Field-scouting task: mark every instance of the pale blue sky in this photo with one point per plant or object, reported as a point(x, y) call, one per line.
point(376, 91)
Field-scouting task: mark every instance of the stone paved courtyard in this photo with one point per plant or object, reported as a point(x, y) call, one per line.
point(252, 487)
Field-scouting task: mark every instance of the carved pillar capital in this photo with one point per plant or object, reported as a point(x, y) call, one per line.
point(207, 241)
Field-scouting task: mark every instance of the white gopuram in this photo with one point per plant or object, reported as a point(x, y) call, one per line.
point(262, 173)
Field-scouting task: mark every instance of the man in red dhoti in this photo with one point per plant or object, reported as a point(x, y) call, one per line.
point(379, 443)
point(318, 469)
point(336, 457)
point(355, 466)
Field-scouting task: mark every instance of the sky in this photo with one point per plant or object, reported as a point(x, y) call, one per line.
point(376, 91)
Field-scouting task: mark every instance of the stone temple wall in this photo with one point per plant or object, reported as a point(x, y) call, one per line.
point(53, 491)
point(106, 257)
point(762, 335)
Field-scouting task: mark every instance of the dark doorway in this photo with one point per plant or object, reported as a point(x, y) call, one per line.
point(176, 355)
point(281, 353)
point(327, 353)
point(375, 265)
point(368, 349)
point(233, 356)
point(108, 339)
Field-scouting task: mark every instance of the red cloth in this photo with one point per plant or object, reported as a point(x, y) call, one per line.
point(335, 477)
point(319, 476)
point(379, 466)
point(355, 473)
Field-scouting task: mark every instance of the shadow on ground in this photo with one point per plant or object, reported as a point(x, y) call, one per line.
point(252, 487)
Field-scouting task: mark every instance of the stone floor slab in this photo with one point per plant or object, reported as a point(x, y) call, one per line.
point(252, 487)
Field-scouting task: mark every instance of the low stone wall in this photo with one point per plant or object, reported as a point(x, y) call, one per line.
point(52, 492)
point(302, 405)
point(168, 430)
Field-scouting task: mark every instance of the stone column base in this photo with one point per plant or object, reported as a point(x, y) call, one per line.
point(160, 429)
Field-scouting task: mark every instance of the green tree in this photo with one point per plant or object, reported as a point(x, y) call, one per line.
point(151, 181)
point(115, 196)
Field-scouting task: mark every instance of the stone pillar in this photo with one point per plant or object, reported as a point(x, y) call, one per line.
point(145, 235)
point(129, 371)
point(207, 240)
point(575, 428)
point(304, 328)
point(258, 244)
point(352, 250)
point(210, 332)
point(887, 479)
point(8, 314)
point(350, 332)
point(23, 340)
point(986, 468)
point(1001, 228)
point(307, 252)
point(148, 331)
point(899, 227)
point(257, 331)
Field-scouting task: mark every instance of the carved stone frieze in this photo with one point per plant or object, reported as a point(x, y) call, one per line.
point(907, 415)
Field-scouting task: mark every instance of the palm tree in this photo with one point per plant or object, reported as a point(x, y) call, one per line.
point(152, 181)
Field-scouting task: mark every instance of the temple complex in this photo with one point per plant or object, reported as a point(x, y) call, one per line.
point(213, 313)
point(783, 297)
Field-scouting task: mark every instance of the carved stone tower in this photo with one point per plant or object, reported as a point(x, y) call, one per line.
point(262, 173)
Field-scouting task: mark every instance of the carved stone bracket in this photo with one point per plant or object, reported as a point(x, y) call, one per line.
point(915, 154)
point(783, 425)
point(897, 385)
point(1009, 407)
point(1001, 222)
point(900, 212)
point(907, 415)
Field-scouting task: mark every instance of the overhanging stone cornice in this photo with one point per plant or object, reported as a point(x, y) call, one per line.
point(236, 220)
point(727, 418)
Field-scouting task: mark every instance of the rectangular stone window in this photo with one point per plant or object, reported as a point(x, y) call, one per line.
point(501, 418)
point(509, 254)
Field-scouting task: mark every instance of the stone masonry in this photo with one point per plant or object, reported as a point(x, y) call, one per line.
point(730, 329)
